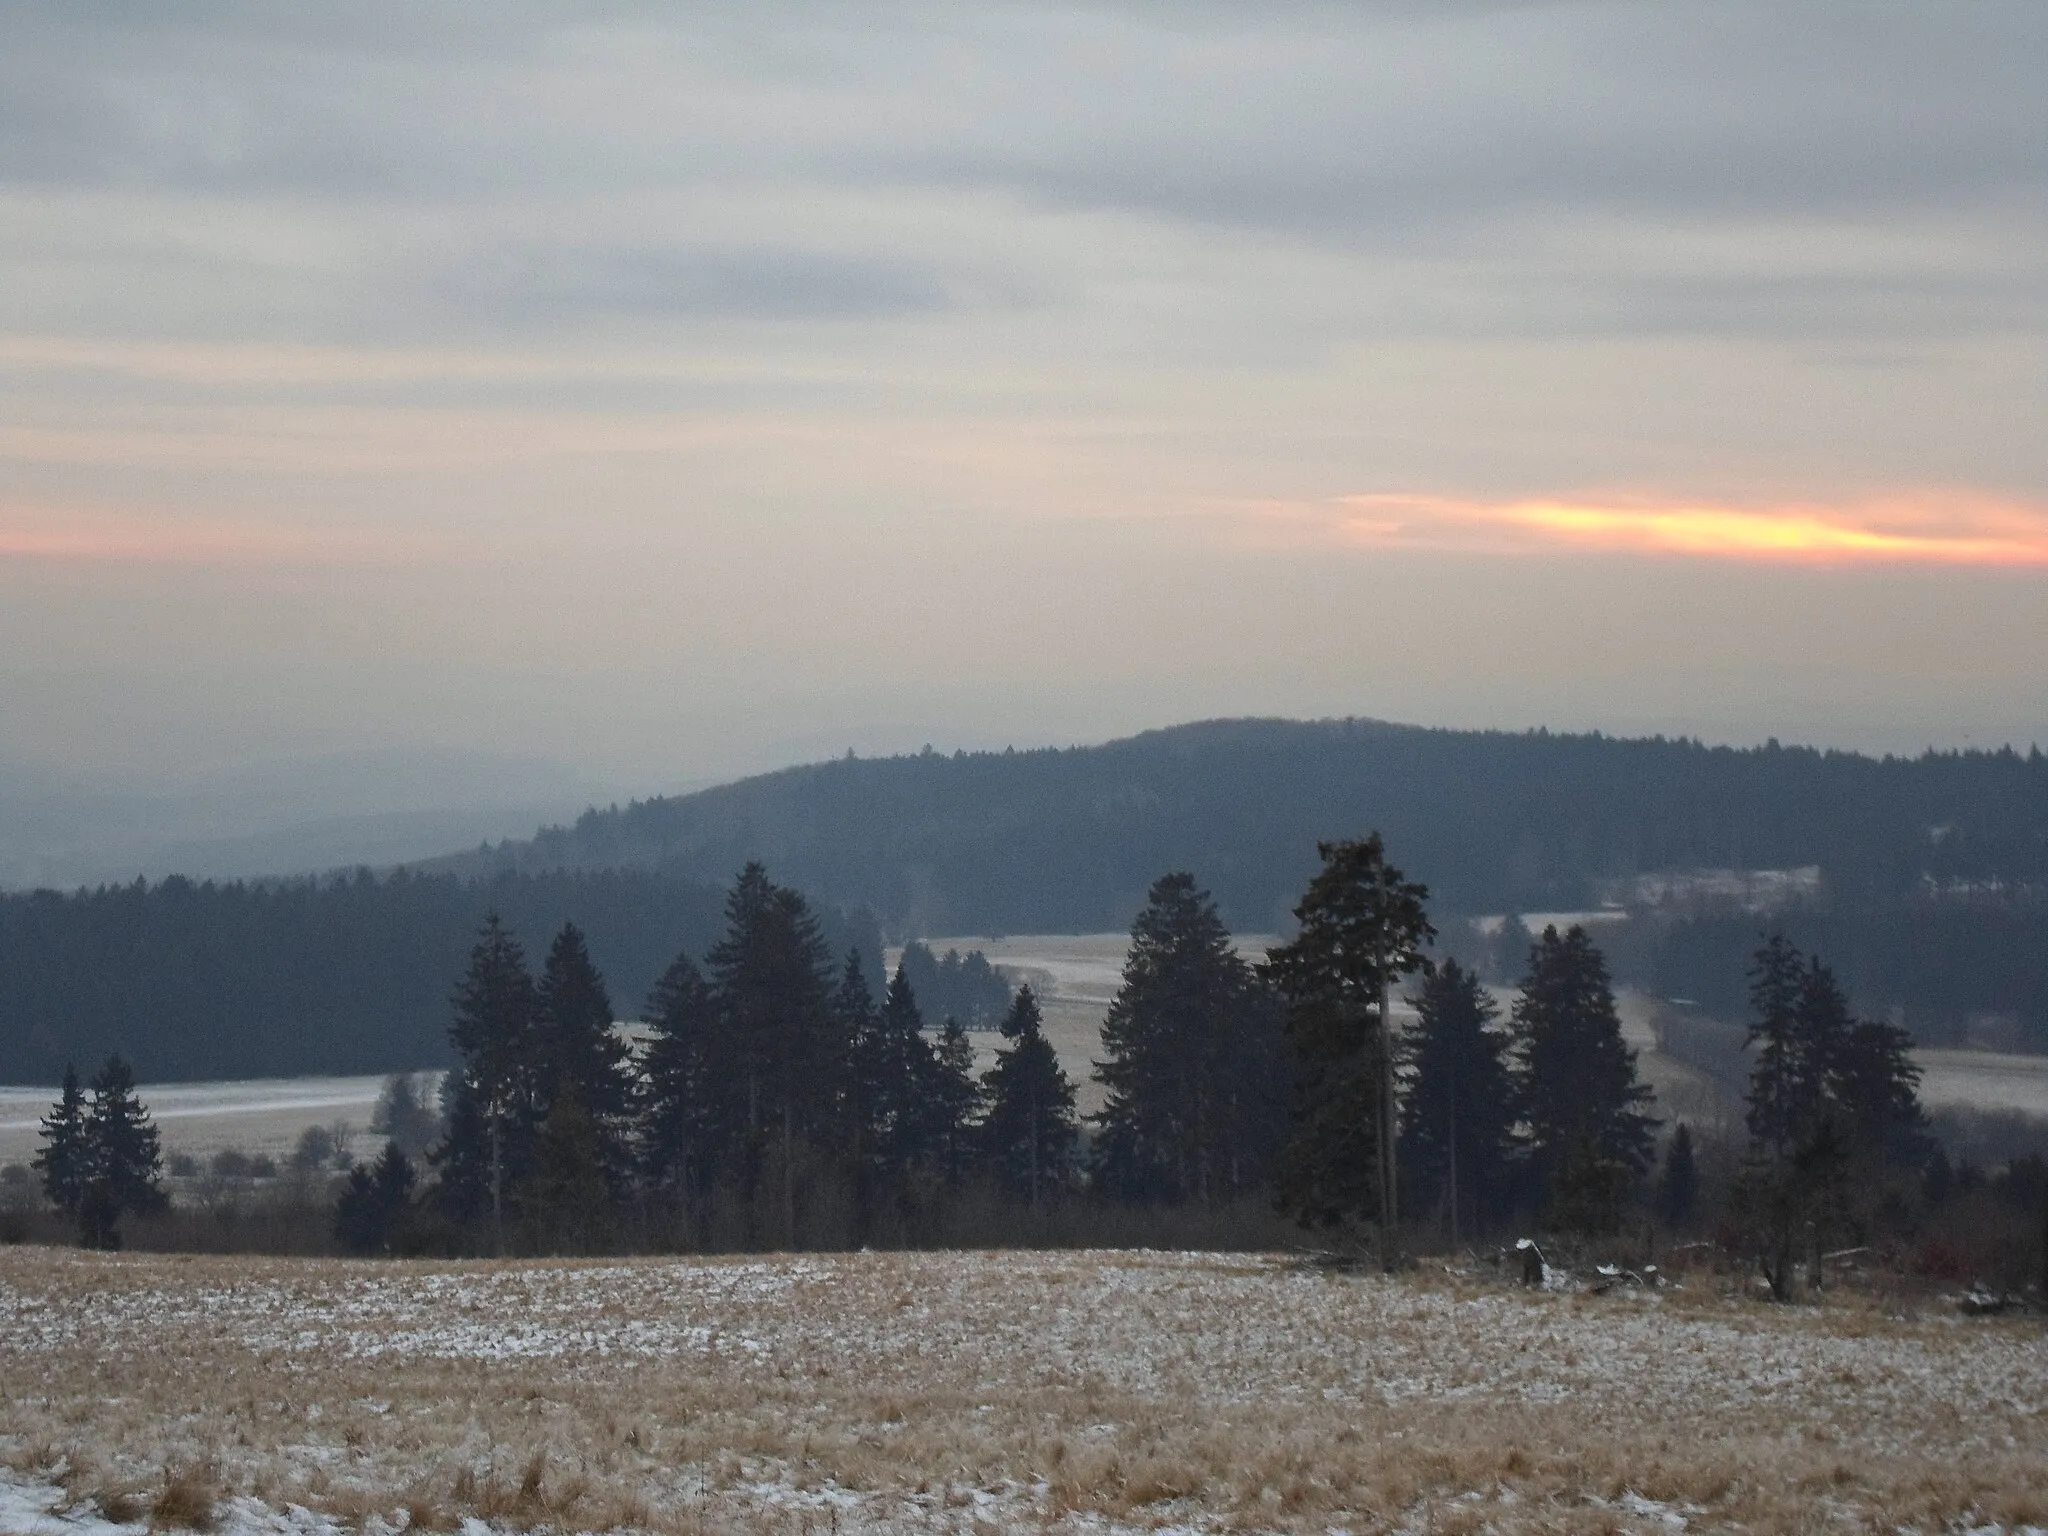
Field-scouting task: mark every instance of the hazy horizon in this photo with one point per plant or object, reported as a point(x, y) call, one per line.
point(542, 407)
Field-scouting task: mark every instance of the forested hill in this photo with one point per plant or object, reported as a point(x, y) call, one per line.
point(1068, 840)
point(283, 978)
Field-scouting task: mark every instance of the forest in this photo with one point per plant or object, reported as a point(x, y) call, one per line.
point(1930, 895)
point(784, 1099)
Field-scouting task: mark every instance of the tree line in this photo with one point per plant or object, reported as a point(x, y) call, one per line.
point(777, 1100)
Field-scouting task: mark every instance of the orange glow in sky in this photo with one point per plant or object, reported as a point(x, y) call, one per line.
point(1938, 529)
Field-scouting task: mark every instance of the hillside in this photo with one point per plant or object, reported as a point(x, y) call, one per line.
point(1068, 840)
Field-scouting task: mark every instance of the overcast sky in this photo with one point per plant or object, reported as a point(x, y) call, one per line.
point(674, 391)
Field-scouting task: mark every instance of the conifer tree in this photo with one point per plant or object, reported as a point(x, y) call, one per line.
point(126, 1157)
point(864, 1089)
point(64, 1161)
point(576, 1052)
point(490, 1095)
point(1192, 1061)
point(1589, 1132)
point(906, 1126)
point(373, 1202)
point(1030, 1129)
point(1362, 928)
point(1795, 1018)
point(569, 1199)
point(781, 1049)
point(1458, 1126)
point(1877, 1083)
point(953, 1101)
point(690, 1131)
point(1679, 1183)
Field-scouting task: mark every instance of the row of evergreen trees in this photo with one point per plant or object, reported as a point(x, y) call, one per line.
point(773, 1079)
point(772, 1083)
point(770, 1077)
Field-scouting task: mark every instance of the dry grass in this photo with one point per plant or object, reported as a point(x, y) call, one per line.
point(999, 1391)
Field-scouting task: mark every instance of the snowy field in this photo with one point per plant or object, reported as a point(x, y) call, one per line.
point(254, 1115)
point(1077, 1392)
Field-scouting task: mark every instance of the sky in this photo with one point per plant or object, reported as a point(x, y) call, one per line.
point(636, 396)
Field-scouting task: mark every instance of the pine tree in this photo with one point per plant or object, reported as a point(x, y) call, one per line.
point(576, 1052)
point(64, 1161)
point(1363, 927)
point(1030, 1129)
point(689, 1133)
point(569, 1199)
point(780, 1048)
point(1877, 1083)
point(1458, 1129)
point(1192, 1062)
point(491, 1097)
point(906, 1127)
point(374, 1201)
point(953, 1101)
point(1797, 1022)
point(863, 1089)
point(1588, 1130)
point(126, 1157)
point(1679, 1184)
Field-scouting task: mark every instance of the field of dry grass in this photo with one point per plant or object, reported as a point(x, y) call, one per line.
point(997, 1391)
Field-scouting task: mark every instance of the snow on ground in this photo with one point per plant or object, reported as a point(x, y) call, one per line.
point(253, 1114)
point(975, 1391)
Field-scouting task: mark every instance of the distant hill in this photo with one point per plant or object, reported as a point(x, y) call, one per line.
point(1069, 840)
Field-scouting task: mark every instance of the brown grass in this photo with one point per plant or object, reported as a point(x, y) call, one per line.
point(1003, 1391)
point(187, 1501)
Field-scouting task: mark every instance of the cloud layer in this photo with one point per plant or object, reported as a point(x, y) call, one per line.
point(946, 331)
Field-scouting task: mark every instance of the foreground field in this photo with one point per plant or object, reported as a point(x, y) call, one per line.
point(961, 1392)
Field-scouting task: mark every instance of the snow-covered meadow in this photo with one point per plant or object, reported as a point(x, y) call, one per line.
point(991, 1391)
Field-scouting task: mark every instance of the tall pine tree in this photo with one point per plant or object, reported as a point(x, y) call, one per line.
point(1458, 1123)
point(781, 1047)
point(1029, 1130)
point(690, 1133)
point(126, 1158)
point(1363, 926)
point(953, 1102)
point(490, 1096)
point(1192, 1059)
point(576, 1053)
point(64, 1161)
point(1589, 1131)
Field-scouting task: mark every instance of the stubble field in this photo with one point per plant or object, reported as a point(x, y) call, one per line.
point(990, 1391)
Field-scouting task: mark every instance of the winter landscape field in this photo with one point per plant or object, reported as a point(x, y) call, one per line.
point(985, 1392)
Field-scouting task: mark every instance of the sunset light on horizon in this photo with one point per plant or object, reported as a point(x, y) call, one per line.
point(1934, 529)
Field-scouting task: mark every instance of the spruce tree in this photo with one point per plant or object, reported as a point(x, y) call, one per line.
point(953, 1102)
point(689, 1132)
point(906, 1125)
point(374, 1201)
point(576, 1052)
point(1458, 1125)
point(1363, 926)
point(491, 1094)
point(1192, 1062)
point(1678, 1185)
point(1589, 1132)
point(780, 1048)
point(1877, 1083)
point(863, 1086)
point(1030, 1129)
point(569, 1200)
point(65, 1159)
point(126, 1157)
